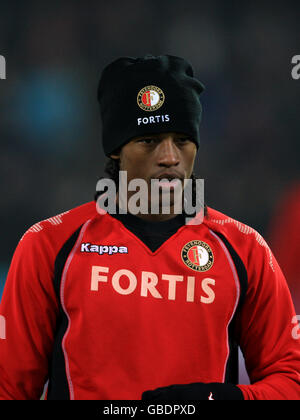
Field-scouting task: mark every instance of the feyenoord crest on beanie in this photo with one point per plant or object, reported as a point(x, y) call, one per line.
point(148, 95)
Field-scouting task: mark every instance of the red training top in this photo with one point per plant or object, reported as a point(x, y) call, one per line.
point(90, 307)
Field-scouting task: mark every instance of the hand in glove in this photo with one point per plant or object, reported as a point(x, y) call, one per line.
point(195, 391)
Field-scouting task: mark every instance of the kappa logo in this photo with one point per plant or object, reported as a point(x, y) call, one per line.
point(103, 249)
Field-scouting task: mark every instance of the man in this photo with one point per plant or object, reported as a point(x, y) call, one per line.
point(129, 305)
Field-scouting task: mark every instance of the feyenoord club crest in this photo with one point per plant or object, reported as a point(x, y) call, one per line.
point(150, 98)
point(197, 255)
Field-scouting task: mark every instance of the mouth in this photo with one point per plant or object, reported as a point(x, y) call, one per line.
point(169, 175)
point(168, 179)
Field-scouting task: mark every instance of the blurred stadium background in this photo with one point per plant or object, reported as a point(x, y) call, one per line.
point(50, 151)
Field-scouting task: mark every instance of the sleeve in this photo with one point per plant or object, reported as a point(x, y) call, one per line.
point(266, 331)
point(28, 313)
point(285, 229)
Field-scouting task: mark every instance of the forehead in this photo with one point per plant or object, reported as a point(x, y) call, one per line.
point(161, 136)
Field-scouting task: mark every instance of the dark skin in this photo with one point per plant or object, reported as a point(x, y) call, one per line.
point(166, 155)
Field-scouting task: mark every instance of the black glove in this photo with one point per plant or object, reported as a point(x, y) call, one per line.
point(195, 391)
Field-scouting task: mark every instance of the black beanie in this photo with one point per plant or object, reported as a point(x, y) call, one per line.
point(148, 95)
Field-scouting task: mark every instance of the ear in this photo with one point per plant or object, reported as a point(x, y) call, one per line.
point(115, 156)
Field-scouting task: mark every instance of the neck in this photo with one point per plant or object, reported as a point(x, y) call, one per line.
point(156, 217)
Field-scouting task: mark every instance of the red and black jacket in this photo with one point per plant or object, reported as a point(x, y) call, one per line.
point(90, 307)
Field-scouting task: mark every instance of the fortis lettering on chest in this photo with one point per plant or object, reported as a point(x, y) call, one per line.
point(149, 284)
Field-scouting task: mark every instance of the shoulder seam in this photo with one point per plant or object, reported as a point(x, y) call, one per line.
point(37, 227)
point(247, 230)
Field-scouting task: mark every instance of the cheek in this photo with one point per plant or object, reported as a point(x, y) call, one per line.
point(134, 166)
point(189, 162)
point(125, 160)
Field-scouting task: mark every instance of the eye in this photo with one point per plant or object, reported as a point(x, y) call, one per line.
point(147, 140)
point(182, 140)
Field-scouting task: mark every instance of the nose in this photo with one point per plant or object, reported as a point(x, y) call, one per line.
point(167, 153)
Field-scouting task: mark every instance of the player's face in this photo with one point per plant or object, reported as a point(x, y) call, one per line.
point(156, 156)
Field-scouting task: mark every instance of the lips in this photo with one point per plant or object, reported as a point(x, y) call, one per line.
point(169, 183)
point(168, 179)
point(169, 176)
